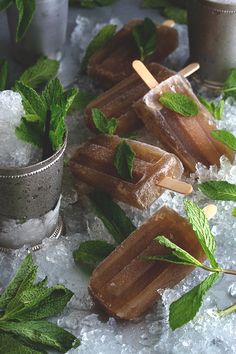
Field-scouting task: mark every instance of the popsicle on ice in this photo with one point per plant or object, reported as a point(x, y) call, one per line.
point(153, 171)
point(117, 102)
point(189, 138)
point(113, 63)
point(127, 286)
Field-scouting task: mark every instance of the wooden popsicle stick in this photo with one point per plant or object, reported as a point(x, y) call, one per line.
point(175, 185)
point(190, 69)
point(168, 23)
point(210, 211)
point(144, 73)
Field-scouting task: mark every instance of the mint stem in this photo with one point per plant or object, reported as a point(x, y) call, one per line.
point(227, 311)
point(219, 270)
point(47, 146)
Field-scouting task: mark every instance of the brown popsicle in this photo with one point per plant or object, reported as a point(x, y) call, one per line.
point(117, 102)
point(153, 171)
point(126, 286)
point(187, 137)
point(113, 63)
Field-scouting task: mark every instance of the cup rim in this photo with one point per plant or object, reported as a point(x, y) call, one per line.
point(225, 7)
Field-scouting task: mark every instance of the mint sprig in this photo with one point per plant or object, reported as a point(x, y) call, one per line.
point(179, 103)
point(4, 4)
point(25, 305)
point(92, 253)
point(145, 37)
point(4, 71)
point(218, 190)
point(216, 109)
point(102, 123)
point(26, 11)
point(225, 137)
point(123, 160)
point(101, 38)
point(185, 308)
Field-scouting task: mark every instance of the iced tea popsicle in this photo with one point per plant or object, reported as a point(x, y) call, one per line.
point(187, 137)
point(153, 170)
point(117, 102)
point(113, 63)
point(126, 286)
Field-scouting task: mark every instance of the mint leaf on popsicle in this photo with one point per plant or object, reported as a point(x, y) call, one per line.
point(145, 37)
point(179, 103)
point(102, 123)
point(123, 160)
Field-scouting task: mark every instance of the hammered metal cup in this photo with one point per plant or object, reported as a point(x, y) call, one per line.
point(46, 34)
point(30, 201)
point(212, 33)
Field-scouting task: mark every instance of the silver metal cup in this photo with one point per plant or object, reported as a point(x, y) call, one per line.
point(46, 34)
point(212, 33)
point(30, 201)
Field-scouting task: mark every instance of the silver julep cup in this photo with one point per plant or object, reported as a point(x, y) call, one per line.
point(46, 34)
point(212, 33)
point(30, 201)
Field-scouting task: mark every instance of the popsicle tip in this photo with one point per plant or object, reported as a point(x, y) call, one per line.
point(168, 23)
point(210, 211)
point(176, 185)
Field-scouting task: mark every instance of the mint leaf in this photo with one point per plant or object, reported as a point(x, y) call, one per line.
point(225, 137)
point(91, 253)
point(200, 225)
point(42, 332)
point(179, 103)
point(101, 38)
point(26, 268)
point(26, 11)
point(185, 309)
point(176, 14)
point(112, 216)
point(42, 71)
point(216, 109)
point(90, 4)
point(123, 160)
point(4, 4)
point(11, 345)
point(218, 190)
point(229, 88)
point(169, 259)
point(179, 254)
point(82, 99)
point(102, 123)
point(234, 212)
point(4, 70)
point(30, 132)
point(145, 37)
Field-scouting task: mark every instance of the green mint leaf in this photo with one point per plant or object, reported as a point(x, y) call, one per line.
point(41, 332)
point(179, 103)
point(156, 4)
point(82, 99)
point(26, 11)
point(101, 38)
point(4, 4)
point(112, 216)
point(185, 309)
point(216, 109)
point(219, 190)
point(234, 212)
point(123, 160)
point(225, 137)
point(90, 4)
point(30, 132)
point(32, 102)
point(178, 252)
point(229, 89)
point(39, 302)
point(200, 225)
point(24, 270)
point(169, 259)
point(4, 70)
point(145, 37)
point(10, 345)
point(176, 14)
point(102, 123)
point(91, 253)
point(42, 71)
